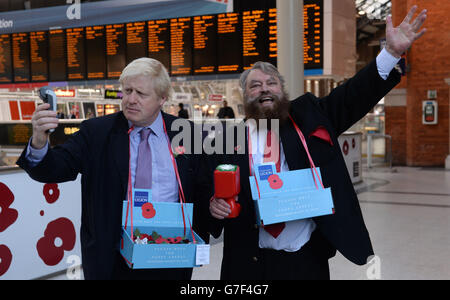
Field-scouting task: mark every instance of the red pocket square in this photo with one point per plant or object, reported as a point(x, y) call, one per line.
point(323, 134)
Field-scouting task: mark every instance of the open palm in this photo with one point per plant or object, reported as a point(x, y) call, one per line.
point(399, 39)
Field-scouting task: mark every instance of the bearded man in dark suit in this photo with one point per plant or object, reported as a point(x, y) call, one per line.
point(300, 249)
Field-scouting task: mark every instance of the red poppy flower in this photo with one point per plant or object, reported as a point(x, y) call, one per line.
point(54, 195)
point(48, 249)
point(7, 215)
point(275, 182)
point(5, 259)
point(148, 211)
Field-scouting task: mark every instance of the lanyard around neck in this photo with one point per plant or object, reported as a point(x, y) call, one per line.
point(302, 138)
point(180, 187)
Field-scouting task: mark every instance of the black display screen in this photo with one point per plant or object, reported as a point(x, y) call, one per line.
point(95, 54)
point(229, 43)
point(313, 34)
point(255, 35)
point(76, 59)
point(39, 55)
point(115, 50)
point(57, 52)
point(159, 41)
point(205, 45)
point(181, 46)
point(21, 57)
point(136, 40)
point(6, 71)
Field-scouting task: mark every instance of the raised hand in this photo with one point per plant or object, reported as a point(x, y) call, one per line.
point(42, 120)
point(399, 39)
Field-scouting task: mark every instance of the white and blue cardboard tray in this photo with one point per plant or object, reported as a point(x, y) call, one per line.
point(288, 196)
point(167, 220)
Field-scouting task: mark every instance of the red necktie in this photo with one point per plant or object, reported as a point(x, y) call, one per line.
point(143, 178)
point(271, 153)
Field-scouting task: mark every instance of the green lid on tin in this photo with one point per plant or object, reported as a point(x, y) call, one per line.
point(226, 168)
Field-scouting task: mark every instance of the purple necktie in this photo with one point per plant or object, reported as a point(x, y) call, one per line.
point(143, 178)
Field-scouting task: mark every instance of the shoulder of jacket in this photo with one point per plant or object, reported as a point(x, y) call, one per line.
point(304, 100)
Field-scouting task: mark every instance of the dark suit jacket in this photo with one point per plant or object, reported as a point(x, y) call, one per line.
point(99, 151)
point(345, 230)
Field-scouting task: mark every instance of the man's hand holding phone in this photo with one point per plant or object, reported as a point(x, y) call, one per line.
point(43, 120)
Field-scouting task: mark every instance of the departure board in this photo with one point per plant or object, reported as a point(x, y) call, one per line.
point(159, 41)
point(76, 60)
point(254, 37)
point(205, 45)
point(5, 59)
point(273, 36)
point(57, 52)
point(115, 50)
point(39, 55)
point(95, 54)
point(181, 46)
point(229, 43)
point(313, 34)
point(210, 44)
point(21, 56)
point(136, 40)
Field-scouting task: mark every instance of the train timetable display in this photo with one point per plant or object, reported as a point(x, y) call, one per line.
point(115, 50)
point(181, 46)
point(159, 41)
point(254, 37)
point(21, 56)
point(95, 56)
point(39, 55)
point(57, 52)
point(229, 43)
point(76, 59)
point(5, 59)
point(136, 40)
point(273, 36)
point(205, 45)
point(313, 34)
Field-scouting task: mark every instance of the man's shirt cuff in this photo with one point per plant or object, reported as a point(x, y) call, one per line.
point(385, 63)
point(35, 156)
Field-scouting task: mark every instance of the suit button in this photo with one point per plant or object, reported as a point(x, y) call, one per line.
point(255, 259)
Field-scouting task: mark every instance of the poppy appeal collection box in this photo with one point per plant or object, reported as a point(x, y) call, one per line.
point(288, 196)
point(162, 236)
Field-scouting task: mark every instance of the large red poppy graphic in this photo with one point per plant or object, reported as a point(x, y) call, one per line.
point(59, 236)
point(5, 259)
point(7, 215)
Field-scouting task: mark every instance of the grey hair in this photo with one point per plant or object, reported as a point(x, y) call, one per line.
point(266, 68)
point(154, 70)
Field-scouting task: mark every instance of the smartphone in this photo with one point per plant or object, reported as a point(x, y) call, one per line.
point(48, 96)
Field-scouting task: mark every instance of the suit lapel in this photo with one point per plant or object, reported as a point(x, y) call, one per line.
point(181, 160)
point(120, 148)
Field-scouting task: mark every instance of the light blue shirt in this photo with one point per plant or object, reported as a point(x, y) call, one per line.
point(164, 181)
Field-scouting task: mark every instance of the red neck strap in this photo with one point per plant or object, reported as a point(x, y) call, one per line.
point(180, 187)
point(302, 138)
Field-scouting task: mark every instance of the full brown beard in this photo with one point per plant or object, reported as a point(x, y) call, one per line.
point(279, 110)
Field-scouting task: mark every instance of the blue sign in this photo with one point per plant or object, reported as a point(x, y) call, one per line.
point(141, 196)
point(288, 196)
point(265, 171)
